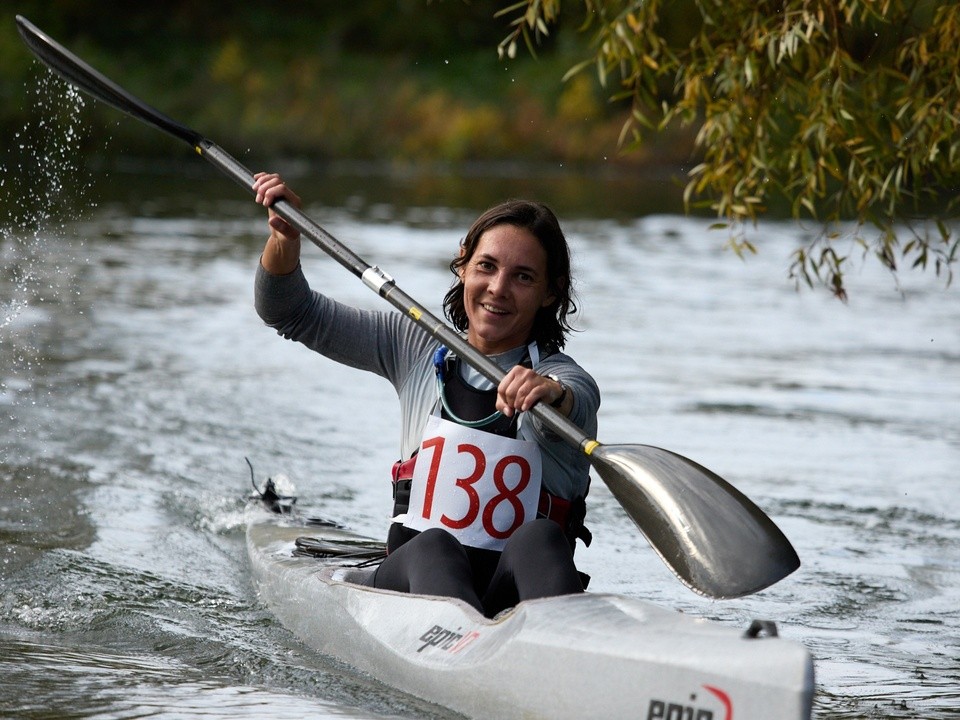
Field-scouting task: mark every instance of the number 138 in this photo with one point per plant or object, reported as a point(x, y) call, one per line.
point(502, 494)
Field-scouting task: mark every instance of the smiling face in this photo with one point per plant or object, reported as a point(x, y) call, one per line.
point(504, 285)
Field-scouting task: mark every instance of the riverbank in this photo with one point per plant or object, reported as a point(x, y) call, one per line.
point(391, 85)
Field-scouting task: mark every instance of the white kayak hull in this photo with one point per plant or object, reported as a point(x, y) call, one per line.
point(589, 655)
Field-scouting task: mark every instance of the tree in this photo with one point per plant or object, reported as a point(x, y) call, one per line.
point(847, 110)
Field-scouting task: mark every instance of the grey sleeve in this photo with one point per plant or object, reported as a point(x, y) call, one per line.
point(566, 469)
point(586, 394)
point(385, 343)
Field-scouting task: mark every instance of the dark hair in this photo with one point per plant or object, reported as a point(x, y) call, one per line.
point(550, 326)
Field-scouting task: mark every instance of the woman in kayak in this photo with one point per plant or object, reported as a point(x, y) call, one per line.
point(488, 502)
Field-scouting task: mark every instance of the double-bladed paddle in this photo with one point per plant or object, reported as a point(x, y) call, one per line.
point(716, 540)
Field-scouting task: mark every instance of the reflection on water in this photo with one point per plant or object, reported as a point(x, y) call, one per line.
point(91, 682)
point(135, 377)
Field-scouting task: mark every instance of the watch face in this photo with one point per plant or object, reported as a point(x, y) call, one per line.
point(563, 391)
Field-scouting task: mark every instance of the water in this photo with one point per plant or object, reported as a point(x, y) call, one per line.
point(135, 377)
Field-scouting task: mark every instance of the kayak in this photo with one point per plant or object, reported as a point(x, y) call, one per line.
point(590, 654)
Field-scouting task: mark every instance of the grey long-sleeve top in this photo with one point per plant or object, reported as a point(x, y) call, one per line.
point(394, 347)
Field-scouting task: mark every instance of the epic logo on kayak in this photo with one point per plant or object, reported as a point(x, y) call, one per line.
point(664, 710)
point(449, 640)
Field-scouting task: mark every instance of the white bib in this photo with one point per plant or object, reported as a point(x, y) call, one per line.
point(478, 486)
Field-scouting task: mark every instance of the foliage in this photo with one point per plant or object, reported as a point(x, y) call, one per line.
point(378, 80)
point(848, 110)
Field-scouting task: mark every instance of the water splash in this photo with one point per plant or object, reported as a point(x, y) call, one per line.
point(45, 189)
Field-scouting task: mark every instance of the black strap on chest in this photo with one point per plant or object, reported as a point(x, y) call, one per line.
point(463, 402)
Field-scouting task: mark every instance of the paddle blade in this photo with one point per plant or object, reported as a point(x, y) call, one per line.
point(716, 540)
point(78, 73)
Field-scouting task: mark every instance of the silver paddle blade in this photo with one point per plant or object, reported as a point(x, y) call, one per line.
point(716, 540)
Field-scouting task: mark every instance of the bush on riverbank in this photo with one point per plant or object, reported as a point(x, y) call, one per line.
point(380, 81)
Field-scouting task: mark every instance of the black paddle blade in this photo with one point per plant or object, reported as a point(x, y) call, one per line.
point(710, 534)
point(78, 73)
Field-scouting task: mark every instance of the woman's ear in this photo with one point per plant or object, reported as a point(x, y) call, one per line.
point(552, 297)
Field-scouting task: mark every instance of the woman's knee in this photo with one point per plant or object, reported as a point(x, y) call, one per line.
point(540, 533)
point(436, 542)
point(536, 562)
point(436, 563)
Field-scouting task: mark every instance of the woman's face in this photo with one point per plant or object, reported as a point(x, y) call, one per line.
point(504, 285)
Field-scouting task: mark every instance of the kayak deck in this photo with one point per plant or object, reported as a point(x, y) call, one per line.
point(601, 655)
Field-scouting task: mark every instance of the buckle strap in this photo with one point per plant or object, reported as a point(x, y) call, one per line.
point(403, 469)
point(568, 514)
point(553, 507)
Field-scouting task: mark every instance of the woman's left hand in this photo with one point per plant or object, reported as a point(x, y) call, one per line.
point(522, 388)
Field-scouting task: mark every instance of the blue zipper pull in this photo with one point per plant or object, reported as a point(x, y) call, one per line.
point(439, 360)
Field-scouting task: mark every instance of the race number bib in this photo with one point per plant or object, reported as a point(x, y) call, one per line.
point(476, 485)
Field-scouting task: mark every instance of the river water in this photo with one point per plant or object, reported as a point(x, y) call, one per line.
point(135, 378)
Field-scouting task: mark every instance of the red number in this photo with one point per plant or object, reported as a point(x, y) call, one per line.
point(510, 495)
point(436, 442)
point(504, 493)
point(466, 484)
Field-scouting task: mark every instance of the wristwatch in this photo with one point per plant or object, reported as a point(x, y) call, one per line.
point(563, 391)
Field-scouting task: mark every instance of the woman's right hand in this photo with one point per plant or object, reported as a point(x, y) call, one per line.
point(281, 255)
